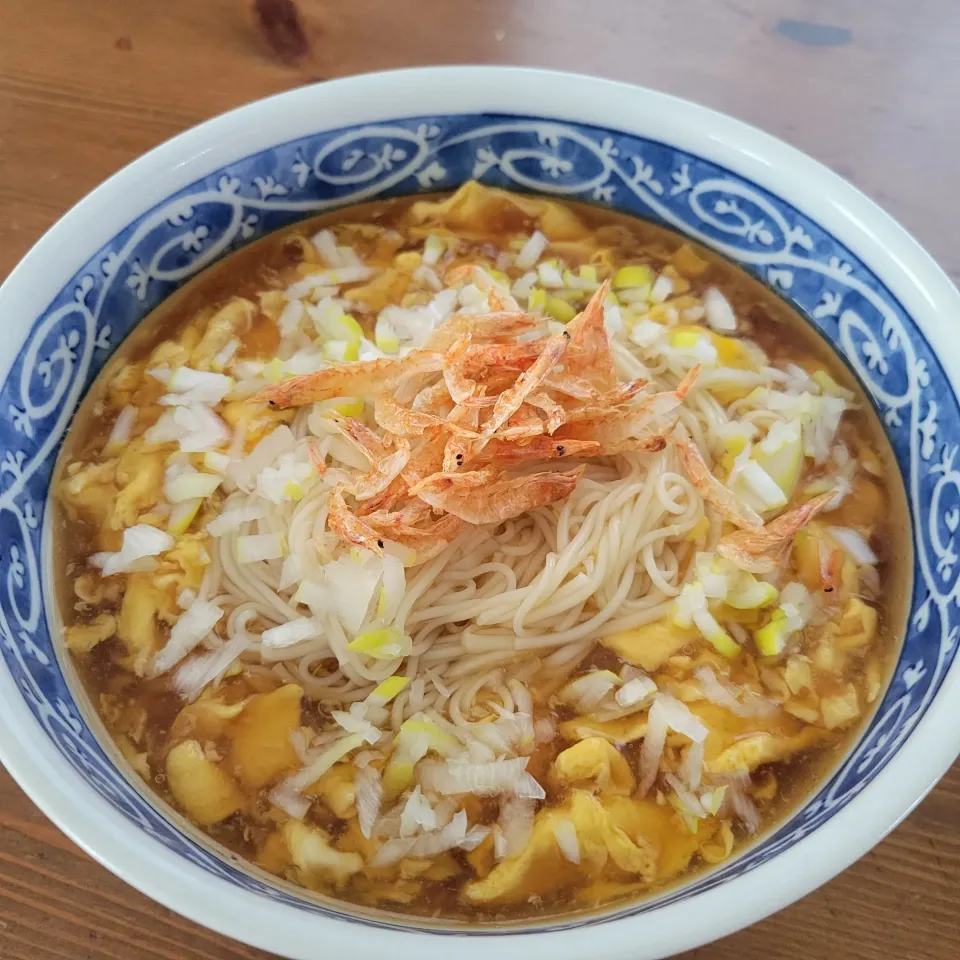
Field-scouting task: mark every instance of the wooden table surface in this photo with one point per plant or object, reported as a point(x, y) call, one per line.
point(867, 86)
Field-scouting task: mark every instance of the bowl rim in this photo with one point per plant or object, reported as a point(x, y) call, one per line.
point(888, 249)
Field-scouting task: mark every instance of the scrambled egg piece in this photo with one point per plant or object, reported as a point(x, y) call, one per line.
point(261, 749)
point(182, 568)
point(206, 719)
point(316, 861)
point(857, 627)
point(650, 646)
point(83, 637)
point(759, 748)
point(541, 867)
point(594, 764)
point(231, 320)
point(140, 478)
point(745, 743)
point(206, 793)
point(619, 732)
point(474, 207)
point(336, 789)
point(91, 490)
point(386, 288)
point(137, 623)
point(841, 709)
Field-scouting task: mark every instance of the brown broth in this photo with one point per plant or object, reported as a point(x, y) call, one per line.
point(149, 709)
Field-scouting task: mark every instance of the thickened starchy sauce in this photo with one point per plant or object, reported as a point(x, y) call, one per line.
point(521, 615)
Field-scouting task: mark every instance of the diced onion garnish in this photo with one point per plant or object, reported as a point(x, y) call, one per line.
point(633, 277)
point(385, 644)
point(189, 486)
point(531, 251)
point(482, 779)
point(139, 541)
point(369, 797)
point(195, 674)
point(122, 428)
point(393, 851)
point(723, 695)
point(353, 585)
point(181, 516)
point(417, 816)
point(433, 249)
point(680, 718)
point(762, 491)
point(194, 625)
point(347, 406)
point(233, 518)
point(291, 317)
point(634, 691)
point(321, 764)
point(290, 572)
point(291, 632)
point(329, 278)
point(585, 692)
point(385, 336)
point(387, 689)
point(199, 384)
point(550, 276)
point(515, 826)
point(566, 835)
point(261, 546)
point(855, 544)
point(194, 426)
point(218, 462)
point(315, 595)
point(292, 802)
point(661, 289)
point(357, 724)
point(264, 454)
point(326, 245)
point(719, 313)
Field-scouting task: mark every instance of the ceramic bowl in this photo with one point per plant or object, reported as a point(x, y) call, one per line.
point(850, 269)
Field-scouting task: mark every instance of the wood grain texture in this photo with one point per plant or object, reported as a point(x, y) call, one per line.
point(867, 88)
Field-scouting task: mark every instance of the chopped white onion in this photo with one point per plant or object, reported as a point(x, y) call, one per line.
point(482, 779)
point(433, 843)
point(855, 544)
point(369, 795)
point(352, 586)
point(531, 251)
point(233, 518)
point(322, 763)
point(662, 288)
point(514, 827)
point(636, 690)
point(393, 851)
point(122, 428)
point(719, 313)
point(727, 696)
point(263, 455)
point(291, 801)
point(565, 832)
point(194, 625)
point(140, 541)
point(260, 546)
point(195, 674)
point(418, 815)
point(291, 632)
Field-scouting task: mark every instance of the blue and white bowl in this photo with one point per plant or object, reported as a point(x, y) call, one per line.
point(858, 276)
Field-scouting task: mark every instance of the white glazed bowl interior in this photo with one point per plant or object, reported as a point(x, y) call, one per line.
point(860, 277)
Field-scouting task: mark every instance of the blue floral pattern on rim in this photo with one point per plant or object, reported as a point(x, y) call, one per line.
point(139, 267)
